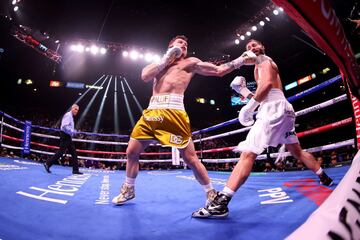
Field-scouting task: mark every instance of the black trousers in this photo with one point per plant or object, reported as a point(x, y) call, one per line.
point(65, 144)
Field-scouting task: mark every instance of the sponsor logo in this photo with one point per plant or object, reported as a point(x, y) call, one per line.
point(7, 167)
point(26, 137)
point(276, 195)
point(176, 139)
point(288, 134)
point(154, 118)
point(27, 163)
point(160, 99)
point(55, 193)
point(104, 191)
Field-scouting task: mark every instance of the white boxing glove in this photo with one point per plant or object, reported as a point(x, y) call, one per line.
point(239, 86)
point(247, 58)
point(247, 112)
point(169, 57)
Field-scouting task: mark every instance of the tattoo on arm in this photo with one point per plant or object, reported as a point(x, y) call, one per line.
point(229, 64)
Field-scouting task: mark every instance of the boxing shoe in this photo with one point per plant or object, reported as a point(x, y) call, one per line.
point(216, 209)
point(210, 196)
point(47, 168)
point(126, 193)
point(325, 180)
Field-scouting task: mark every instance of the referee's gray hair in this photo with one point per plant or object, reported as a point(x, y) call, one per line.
point(74, 105)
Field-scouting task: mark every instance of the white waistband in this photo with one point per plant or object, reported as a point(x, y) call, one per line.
point(167, 101)
point(274, 94)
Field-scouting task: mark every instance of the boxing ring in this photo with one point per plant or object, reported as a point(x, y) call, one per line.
point(60, 205)
point(270, 205)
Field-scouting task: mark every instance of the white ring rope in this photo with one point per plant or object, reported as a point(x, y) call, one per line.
point(224, 160)
point(12, 127)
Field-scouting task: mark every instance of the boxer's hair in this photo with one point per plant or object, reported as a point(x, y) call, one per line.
point(183, 37)
point(254, 40)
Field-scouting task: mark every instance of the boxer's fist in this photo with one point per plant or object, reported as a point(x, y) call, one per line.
point(247, 58)
point(239, 86)
point(246, 115)
point(169, 57)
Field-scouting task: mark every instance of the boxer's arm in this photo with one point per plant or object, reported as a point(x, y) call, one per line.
point(149, 72)
point(267, 74)
point(209, 69)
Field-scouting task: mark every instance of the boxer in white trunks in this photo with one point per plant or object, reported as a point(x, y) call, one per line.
point(274, 125)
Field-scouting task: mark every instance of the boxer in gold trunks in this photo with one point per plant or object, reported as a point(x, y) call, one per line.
point(165, 119)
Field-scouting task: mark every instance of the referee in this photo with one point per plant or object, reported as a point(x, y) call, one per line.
point(67, 131)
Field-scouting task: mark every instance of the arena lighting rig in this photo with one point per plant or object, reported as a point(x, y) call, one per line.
point(257, 21)
point(100, 48)
point(30, 41)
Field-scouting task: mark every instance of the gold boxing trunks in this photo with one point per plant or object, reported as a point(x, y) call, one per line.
point(165, 120)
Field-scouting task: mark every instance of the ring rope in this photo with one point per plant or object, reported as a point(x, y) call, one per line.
point(301, 134)
point(225, 160)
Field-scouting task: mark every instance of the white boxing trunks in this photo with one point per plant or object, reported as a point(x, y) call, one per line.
point(275, 124)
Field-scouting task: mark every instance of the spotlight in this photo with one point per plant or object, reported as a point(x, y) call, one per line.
point(275, 12)
point(281, 9)
point(35, 89)
point(16, 8)
point(254, 28)
point(94, 49)
point(148, 57)
point(267, 19)
point(262, 23)
point(87, 49)
point(156, 58)
point(80, 48)
point(237, 41)
point(125, 53)
point(242, 37)
point(141, 56)
point(28, 82)
point(134, 55)
point(102, 50)
point(73, 47)
point(13, 2)
point(248, 34)
point(57, 41)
